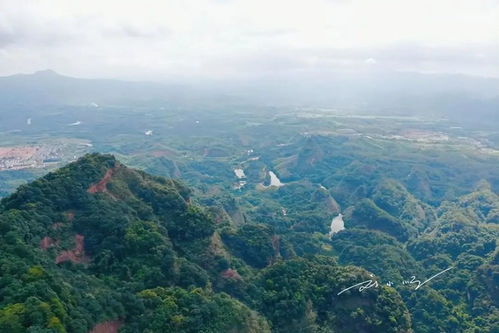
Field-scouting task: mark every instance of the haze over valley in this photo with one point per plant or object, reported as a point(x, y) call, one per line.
point(249, 166)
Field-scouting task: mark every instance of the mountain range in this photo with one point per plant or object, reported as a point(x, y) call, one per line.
point(96, 246)
point(372, 92)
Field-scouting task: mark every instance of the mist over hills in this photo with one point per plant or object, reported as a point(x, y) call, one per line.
point(250, 166)
point(232, 251)
point(367, 92)
point(50, 88)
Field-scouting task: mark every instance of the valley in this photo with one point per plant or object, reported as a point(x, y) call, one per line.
point(233, 203)
point(249, 166)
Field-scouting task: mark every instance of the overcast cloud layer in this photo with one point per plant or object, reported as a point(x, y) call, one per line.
point(183, 39)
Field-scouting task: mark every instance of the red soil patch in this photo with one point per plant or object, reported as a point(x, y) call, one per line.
point(111, 326)
point(46, 242)
point(231, 274)
point(101, 185)
point(76, 255)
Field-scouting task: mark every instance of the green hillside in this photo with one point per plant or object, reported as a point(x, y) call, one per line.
point(97, 243)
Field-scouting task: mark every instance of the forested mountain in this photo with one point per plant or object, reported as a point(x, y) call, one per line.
point(249, 166)
point(97, 245)
point(50, 88)
point(238, 237)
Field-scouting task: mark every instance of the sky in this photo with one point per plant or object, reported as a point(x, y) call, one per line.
point(224, 39)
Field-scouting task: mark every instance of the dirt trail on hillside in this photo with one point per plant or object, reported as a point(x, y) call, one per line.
point(101, 186)
point(46, 242)
point(111, 326)
point(76, 255)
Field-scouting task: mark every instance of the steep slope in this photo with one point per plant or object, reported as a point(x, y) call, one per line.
point(395, 199)
point(81, 246)
point(396, 236)
point(98, 246)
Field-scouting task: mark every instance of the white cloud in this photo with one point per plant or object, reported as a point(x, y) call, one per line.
point(152, 39)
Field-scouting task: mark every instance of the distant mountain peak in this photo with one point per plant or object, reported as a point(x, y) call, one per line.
point(46, 73)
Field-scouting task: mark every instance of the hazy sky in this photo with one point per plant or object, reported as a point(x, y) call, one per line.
point(162, 39)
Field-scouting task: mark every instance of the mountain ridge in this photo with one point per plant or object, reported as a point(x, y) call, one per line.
point(145, 252)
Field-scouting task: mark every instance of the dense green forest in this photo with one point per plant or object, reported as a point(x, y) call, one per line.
point(222, 166)
point(98, 243)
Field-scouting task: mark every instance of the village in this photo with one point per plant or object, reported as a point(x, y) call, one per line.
point(27, 157)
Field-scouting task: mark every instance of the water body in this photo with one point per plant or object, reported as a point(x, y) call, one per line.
point(274, 181)
point(239, 173)
point(240, 185)
point(337, 225)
